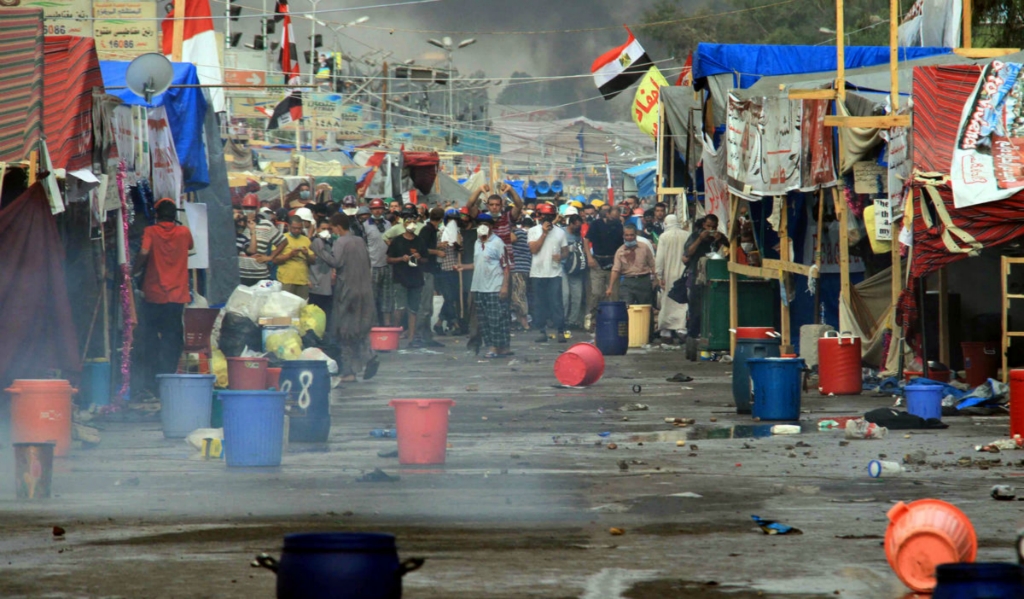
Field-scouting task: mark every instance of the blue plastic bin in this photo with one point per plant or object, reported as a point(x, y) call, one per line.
point(308, 385)
point(612, 328)
point(924, 400)
point(775, 387)
point(979, 581)
point(96, 382)
point(253, 427)
point(185, 403)
point(339, 566)
point(747, 349)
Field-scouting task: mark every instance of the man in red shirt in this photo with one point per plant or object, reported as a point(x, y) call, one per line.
point(164, 257)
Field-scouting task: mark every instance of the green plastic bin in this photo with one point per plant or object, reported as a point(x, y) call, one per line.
point(756, 308)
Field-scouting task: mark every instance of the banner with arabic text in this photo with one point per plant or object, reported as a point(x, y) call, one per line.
point(646, 103)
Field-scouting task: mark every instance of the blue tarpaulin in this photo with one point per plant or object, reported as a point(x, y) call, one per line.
point(186, 110)
point(644, 175)
point(748, 63)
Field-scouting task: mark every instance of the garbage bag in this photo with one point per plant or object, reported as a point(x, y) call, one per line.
point(286, 345)
point(219, 366)
point(312, 318)
point(281, 304)
point(238, 332)
point(315, 353)
point(246, 302)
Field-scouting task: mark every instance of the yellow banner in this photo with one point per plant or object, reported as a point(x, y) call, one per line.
point(645, 104)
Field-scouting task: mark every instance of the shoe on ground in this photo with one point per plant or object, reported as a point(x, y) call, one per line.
point(416, 344)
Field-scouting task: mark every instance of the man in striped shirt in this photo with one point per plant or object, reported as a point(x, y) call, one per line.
point(519, 274)
point(255, 241)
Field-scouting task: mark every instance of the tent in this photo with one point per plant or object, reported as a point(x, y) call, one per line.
point(186, 111)
point(641, 179)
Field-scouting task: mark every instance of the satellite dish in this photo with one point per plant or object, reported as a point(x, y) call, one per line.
point(149, 74)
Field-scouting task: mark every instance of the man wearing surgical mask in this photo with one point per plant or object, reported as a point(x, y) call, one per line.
point(301, 196)
point(502, 219)
point(404, 254)
point(634, 264)
point(490, 288)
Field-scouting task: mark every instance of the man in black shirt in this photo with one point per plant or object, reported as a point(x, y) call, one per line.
point(605, 237)
point(404, 254)
point(706, 238)
point(431, 266)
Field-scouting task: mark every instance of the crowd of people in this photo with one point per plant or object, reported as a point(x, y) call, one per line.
point(498, 264)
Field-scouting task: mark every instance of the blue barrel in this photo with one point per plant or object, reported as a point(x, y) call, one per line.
point(185, 403)
point(339, 566)
point(775, 387)
point(612, 328)
point(745, 350)
point(96, 382)
point(924, 400)
point(979, 581)
point(253, 427)
point(307, 384)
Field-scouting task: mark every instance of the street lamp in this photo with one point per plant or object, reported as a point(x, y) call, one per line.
point(445, 43)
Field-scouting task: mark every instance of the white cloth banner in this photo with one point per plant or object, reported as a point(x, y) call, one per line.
point(932, 24)
point(197, 225)
point(166, 170)
point(763, 154)
point(716, 189)
point(988, 159)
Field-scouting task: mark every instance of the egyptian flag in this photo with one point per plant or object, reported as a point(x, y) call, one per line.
point(286, 111)
point(199, 46)
point(621, 67)
point(289, 57)
point(686, 75)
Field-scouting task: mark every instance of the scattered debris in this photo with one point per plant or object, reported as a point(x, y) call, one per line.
point(1003, 493)
point(89, 436)
point(680, 443)
point(859, 537)
point(687, 495)
point(387, 453)
point(623, 465)
point(862, 429)
point(612, 446)
point(680, 422)
point(58, 532)
point(472, 388)
point(884, 469)
point(615, 532)
point(130, 482)
point(785, 429)
point(771, 527)
point(679, 378)
point(1002, 445)
point(635, 407)
point(916, 458)
point(377, 476)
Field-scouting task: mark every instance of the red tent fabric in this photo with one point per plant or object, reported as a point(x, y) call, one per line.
point(21, 85)
point(940, 93)
point(72, 71)
point(36, 331)
point(422, 168)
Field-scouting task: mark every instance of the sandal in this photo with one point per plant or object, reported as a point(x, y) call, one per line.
point(370, 370)
point(491, 355)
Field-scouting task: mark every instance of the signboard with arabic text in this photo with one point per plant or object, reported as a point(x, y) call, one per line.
point(124, 30)
point(60, 17)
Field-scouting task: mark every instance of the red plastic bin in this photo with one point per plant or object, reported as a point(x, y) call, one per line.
point(247, 374)
point(422, 426)
point(385, 338)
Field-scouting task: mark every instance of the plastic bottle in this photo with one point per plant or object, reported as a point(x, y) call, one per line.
point(862, 429)
point(883, 469)
point(383, 433)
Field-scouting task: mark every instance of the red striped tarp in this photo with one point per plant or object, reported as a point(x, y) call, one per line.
point(940, 93)
point(72, 71)
point(21, 82)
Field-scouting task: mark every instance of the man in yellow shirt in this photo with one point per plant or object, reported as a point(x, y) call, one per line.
point(293, 259)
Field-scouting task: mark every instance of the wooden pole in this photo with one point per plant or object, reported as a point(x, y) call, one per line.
point(968, 11)
point(894, 54)
point(817, 254)
point(178, 30)
point(840, 52)
point(844, 245)
point(784, 241)
point(734, 286)
point(944, 317)
point(1004, 274)
point(103, 287)
point(33, 166)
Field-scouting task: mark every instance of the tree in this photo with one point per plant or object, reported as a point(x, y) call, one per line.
point(998, 24)
point(677, 28)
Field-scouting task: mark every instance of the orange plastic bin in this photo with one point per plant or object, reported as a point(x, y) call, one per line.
point(925, 534)
point(41, 412)
point(422, 429)
point(581, 366)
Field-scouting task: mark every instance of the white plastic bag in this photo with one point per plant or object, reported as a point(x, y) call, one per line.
point(315, 353)
point(244, 301)
point(281, 304)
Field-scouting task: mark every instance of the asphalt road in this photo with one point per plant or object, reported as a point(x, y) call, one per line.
point(525, 503)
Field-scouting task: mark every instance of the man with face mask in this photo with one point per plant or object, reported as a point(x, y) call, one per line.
point(490, 289)
point(301, 196)
point(320, 284)
point(383, 282)
point(575, 268)
point(293, 259)
point(404, 254)
point(605, 238)
point(409, 214)
point(634, 264)
point(549, 248)
point(502, 219)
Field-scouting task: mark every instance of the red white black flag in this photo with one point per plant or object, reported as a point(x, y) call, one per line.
point(286, 111)
point(289, 57)
point(621, 67)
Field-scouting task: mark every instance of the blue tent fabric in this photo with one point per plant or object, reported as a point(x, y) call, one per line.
point(186, 110)
point(751, 62)
point(644, 175)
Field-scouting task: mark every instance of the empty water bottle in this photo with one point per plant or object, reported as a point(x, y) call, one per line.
point(383, 433)
point(862, 429)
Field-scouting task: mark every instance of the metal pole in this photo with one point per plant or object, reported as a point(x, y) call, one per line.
point(451, 99)
point(312, 43)
point(384, 105)
point(266, 42)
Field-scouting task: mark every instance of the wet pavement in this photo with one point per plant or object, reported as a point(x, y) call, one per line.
point(524, 505)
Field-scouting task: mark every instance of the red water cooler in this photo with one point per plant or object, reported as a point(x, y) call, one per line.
point(839, 364)
point(1016, 403)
